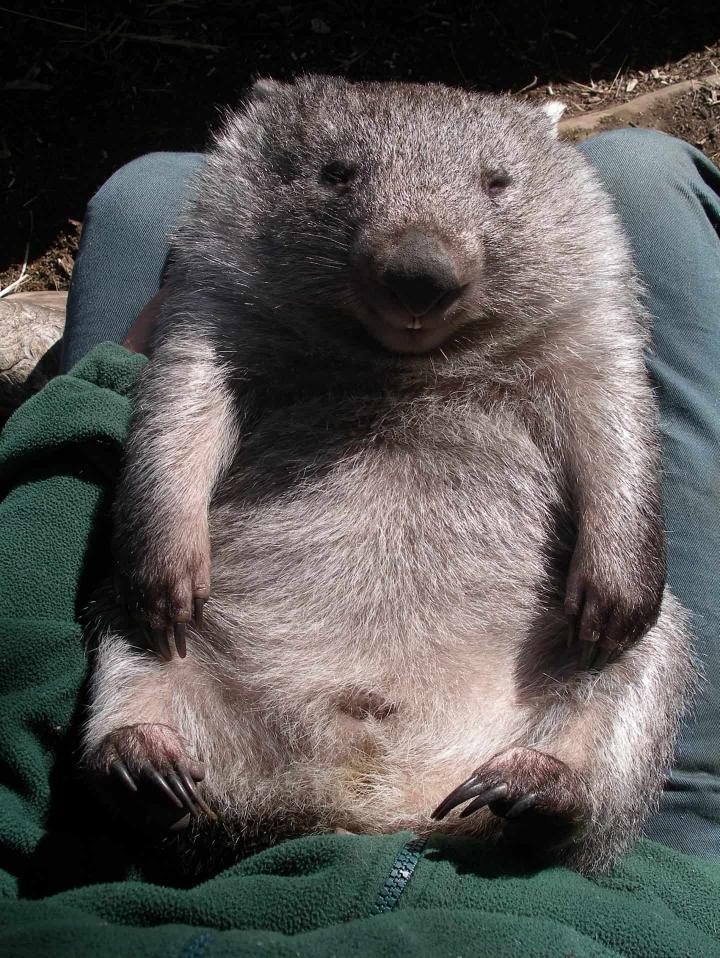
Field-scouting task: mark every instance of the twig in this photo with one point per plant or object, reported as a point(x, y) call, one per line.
point(528, 86)
point(23, 274)
point(166, 41)
point(584, 86)
point(612, 85)
point(26, 85)
point(141, 37)
point(607, 35)
point(457, 64)
point(32, 16)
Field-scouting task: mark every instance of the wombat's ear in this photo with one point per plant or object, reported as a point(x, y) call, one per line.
point(266, 89)
point(553, 110)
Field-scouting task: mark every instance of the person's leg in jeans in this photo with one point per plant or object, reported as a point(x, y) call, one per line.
point(124, 245)
point(668, 196)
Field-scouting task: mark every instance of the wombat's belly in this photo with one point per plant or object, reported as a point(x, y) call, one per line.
point(372, 613)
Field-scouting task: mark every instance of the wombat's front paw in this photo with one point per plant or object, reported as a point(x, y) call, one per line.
point(144, 770)
point(605, 618)
point(543, 802)
point(163, 588)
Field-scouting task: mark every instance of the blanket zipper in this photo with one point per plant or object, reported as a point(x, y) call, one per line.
point(400, 874)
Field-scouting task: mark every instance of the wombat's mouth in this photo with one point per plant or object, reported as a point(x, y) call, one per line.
point(406, 334)
point(399, 330)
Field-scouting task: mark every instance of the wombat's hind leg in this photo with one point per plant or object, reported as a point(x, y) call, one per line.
point(543, 802)
point(145, 770)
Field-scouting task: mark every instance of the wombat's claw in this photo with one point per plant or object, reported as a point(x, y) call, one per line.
point(590, 653)
point(541, 800)
point(198, 605)
point(594, 655)
point(163, 783)
point(586, 654)
point(491, 794)
point(523, 804)
point(159, 643)
point(176, 785)
point(603, 655)
point(119, 769)
point(179, 630)
point(162, 613)
point(159, 640)
point(146, 761)
point(601, 627)
point(189, 781)
point(475, 788)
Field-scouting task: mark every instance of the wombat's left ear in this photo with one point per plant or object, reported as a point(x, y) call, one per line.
point(553, 110)
point(266, 89)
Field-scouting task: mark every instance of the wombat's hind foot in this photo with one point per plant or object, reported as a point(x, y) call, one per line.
point(145, 771)
point(543, 802)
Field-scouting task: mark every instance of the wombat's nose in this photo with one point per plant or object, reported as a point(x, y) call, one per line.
point(420, 272)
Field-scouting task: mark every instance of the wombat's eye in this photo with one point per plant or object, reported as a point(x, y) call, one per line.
point(337, 173)
point(497, 181)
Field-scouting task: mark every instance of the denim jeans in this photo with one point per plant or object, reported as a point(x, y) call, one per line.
point(668, 197)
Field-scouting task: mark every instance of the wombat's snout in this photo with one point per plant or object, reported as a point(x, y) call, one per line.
point(420, 272)
point(408, 284)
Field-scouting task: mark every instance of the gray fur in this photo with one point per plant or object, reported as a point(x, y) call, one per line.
point(391, 530)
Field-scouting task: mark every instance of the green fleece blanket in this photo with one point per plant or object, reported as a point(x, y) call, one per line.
point(73, 883)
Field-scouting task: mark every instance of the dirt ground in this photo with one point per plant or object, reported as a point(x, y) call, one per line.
point(87, 87)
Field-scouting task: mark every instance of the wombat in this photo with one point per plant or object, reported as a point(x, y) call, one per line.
point(396, 429)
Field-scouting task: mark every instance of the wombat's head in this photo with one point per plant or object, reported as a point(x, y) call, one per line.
point(417, 211)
